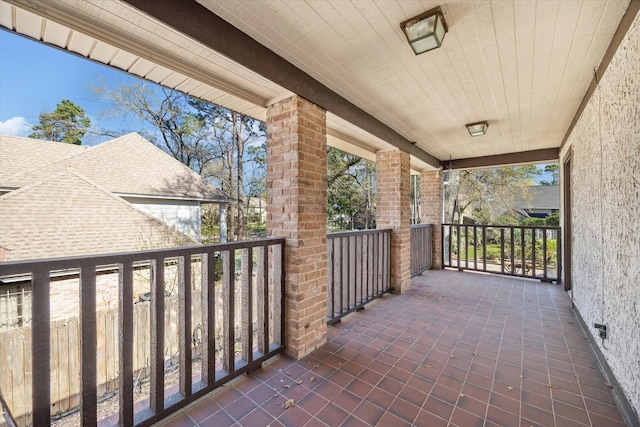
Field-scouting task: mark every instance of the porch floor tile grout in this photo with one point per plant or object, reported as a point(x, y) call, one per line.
point(457, 349)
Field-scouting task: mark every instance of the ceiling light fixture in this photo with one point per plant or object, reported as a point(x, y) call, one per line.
point(425, 31)
point(478, 128)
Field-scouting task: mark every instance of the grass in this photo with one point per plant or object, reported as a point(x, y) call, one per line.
point(493, 252)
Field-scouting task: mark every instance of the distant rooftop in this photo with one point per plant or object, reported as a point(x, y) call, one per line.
point(129, 165)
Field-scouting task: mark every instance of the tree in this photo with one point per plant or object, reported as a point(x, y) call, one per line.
point(350, 192)
point(209, 139)
point(257, 176)
point(554, 170)
point(489, 191)
point(234, 133)
point(174, 126)
point(67, 123)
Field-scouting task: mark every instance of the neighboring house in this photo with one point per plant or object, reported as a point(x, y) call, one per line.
point(540, 201)
point(544, 201)
point(60, 200)
point(129, 169)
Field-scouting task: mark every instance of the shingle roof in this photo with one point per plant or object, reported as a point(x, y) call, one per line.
point(542, 197)
point(545, 197)
point(128, 165)
point(18, 155)
point(68, 215)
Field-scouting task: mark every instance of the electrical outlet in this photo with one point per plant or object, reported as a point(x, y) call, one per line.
point(602, 330)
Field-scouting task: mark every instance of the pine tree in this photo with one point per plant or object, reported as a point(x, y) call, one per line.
point(67, 123)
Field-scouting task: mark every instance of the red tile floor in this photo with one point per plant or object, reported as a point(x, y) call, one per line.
point(458, 349)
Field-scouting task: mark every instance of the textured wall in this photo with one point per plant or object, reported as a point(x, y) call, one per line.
point(606, 213)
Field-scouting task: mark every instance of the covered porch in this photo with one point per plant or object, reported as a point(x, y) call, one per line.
point(452, 348)
point(457, 349)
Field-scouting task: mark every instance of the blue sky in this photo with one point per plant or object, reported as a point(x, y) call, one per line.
point(34, 78)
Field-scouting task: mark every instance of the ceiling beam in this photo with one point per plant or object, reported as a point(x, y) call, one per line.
point(198, 22)
point(522, 157)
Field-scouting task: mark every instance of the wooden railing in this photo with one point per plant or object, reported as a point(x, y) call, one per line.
point(249, 337)
point(421, 248)
point(358, 270)
point(524, 251)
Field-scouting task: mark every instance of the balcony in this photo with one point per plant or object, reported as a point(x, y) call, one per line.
point(522, 332)
point(211, 313)
point(457, 349)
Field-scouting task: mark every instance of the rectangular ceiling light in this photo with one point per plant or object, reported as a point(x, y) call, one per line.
point(478, 128)
point(425, 31)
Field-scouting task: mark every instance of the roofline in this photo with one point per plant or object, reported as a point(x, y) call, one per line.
point(221, 199)
point(202, 25)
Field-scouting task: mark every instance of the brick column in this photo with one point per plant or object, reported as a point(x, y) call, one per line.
point(431, 210)
point(297, 210)
point(393, 211)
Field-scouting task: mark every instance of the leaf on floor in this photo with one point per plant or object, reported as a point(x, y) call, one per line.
point(312, 379)
point(509, 388)
point(551, 386)
point(289, 404)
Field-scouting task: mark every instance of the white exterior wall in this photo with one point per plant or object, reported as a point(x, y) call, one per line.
point(605, 167)
point(183, 215)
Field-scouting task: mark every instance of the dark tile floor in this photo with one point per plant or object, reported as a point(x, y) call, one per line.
point(458, 349)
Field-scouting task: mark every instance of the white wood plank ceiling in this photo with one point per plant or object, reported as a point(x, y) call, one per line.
point(523, 66)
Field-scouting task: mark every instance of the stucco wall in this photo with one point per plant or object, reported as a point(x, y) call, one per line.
point(605, 178)
point(184, 216)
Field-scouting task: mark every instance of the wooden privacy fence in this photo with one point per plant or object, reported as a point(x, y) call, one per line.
point(359, 270)
point(62, 364)
point(421, 248)
point(15, 375)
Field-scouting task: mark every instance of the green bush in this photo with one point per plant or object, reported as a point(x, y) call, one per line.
point(533, 222)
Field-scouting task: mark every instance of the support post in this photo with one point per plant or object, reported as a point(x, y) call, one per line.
point(394, 211)
point(431, 202)
point(297, 210)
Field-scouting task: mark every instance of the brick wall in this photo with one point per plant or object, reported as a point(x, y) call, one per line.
point(297, 211)
point(431, 209)
point(393, 211)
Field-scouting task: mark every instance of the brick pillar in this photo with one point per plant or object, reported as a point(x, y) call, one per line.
point(431, 210)
point(393, 211)
point(297, 210)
